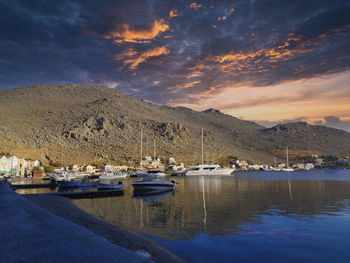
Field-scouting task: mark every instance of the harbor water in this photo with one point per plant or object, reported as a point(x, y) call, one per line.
point(303, 216)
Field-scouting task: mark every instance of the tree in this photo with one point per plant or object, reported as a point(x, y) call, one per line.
point(49, 170)
point(37, 169)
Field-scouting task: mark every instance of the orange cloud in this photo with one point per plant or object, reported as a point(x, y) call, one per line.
point(132, 58)
point(173, 13)
point(191, 84)
point(231, 11)
point(195, 6)
point(125, 33)
point(311, 98)
point(207, 92)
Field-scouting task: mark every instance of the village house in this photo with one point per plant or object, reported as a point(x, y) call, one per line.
point(88, 168)
point(120, 168)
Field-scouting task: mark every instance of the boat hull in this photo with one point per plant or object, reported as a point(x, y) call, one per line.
point(153, 186)
point(213, 172)
point(110, 186)
point(74, 184)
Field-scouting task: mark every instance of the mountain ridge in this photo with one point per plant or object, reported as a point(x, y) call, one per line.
point(83, 124)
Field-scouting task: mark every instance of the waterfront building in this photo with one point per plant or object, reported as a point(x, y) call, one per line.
point(119, 168)
point(4, 165)
point(171, 160)
point(73, 168)
point(88, 168)
point(21, 166)
point(178, 167)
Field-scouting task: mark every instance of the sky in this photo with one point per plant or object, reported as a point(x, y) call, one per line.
point(269, 61)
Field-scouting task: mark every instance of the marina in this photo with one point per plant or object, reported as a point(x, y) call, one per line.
point(232, 213)
point(234, 218)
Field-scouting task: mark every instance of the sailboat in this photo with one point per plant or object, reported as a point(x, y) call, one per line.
point(154, 171)
point(207, 169)
point(288, 169)
point(148, 183)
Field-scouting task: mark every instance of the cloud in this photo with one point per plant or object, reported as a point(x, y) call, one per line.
point(260, 44)
point(335, 122)
point(124, 33)
point(173, 13)
point(132, 58)
point(195, 5)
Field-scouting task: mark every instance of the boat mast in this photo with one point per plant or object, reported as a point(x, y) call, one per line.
point(287, 158)
point(141, 151)
point(275, 162)
point(202, 146)
point(154, 149)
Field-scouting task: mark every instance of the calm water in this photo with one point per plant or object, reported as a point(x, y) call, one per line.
point(248, 217)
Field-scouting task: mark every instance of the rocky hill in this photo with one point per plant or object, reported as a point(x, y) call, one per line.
point(84, 124)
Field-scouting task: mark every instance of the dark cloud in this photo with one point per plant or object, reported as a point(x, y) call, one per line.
point(220, 44)
point(334, 122)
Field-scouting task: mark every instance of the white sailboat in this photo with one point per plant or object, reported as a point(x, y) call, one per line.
point(114, 175)
point(208, 169)
point(288, 169)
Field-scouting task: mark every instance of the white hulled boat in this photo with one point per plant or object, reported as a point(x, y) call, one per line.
point(114, 175)
point(288, 169)
point(64, 176)
point(208, 169)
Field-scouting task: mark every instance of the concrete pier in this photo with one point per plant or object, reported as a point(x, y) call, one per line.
point(30, 233)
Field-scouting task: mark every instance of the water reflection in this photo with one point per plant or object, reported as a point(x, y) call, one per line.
point(220, 205)
point(148, 195)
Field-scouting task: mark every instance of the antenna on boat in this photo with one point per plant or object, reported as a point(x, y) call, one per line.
point(287, 158)
point(202, 145)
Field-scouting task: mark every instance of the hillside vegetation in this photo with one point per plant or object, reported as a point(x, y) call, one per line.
point(84, 124)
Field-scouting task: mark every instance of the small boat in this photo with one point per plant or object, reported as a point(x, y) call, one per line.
point(110, 186)
point(148, 184)
point(65, 176)
point(142, 173)
point(75, 184)
point(114, 175)
point(288, 169)
point(98, 173)
point(156, 171)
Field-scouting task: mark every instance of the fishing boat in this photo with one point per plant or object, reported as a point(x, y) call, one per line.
point(149, 184)
point(114, 175)
point(75, 184)
point(110, 186)
point(98, 173)
point(64, 176)
point(156, 171)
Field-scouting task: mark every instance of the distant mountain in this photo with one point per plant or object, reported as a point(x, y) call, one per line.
point(81, 124)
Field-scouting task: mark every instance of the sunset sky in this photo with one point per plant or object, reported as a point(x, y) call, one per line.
point(269, 61)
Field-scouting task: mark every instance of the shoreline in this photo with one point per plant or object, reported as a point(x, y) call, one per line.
point(63, 207)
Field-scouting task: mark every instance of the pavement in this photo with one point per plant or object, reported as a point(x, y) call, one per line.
point(29, 233)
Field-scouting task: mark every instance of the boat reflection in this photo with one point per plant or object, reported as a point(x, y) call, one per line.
point(220, 205)
point(150, 195)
